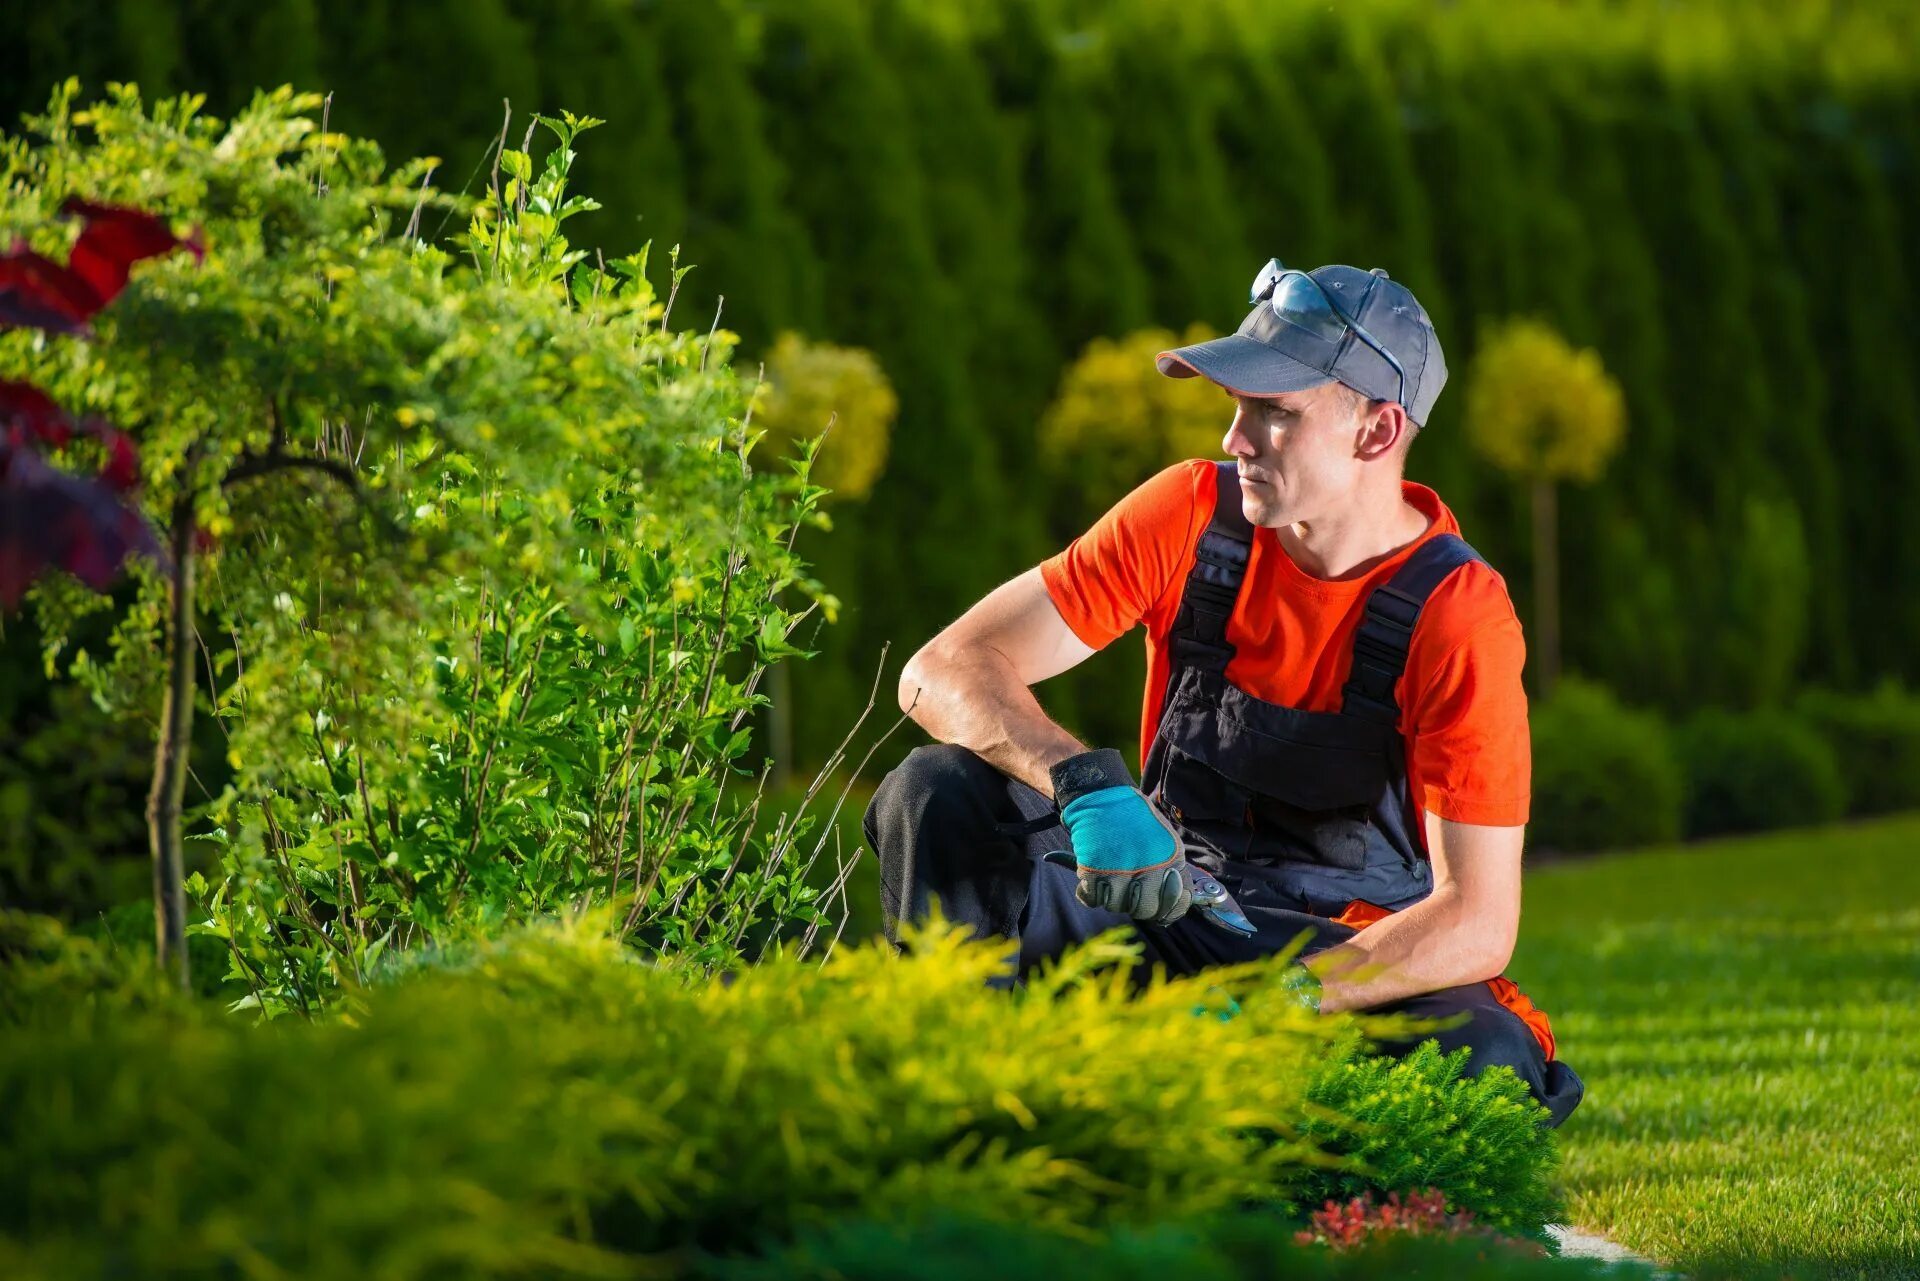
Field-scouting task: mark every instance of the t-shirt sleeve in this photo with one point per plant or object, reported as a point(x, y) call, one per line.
point(1471, 760)
point(1110, 577)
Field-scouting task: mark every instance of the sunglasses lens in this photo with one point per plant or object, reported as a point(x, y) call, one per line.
point(1299, 301)
point(1263, 283)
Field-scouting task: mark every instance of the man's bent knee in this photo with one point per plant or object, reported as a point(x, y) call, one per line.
point(931, 825)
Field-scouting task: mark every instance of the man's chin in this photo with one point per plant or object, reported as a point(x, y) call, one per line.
point(1260, 507)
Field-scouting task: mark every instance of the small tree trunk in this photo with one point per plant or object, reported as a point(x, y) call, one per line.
point(164, 802)
point(1546, 587)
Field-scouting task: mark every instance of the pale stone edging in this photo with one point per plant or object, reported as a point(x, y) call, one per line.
point(1576, 1244)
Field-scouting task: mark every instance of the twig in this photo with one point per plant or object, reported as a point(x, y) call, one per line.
point(326, 114)
point(833, 761)
point(733, 864)
point(711, 329)
point(249, 466)
point(500, 223)
point(413, 223)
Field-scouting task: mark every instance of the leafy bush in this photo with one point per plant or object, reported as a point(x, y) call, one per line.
point(548, 1103)
point(1752, 771)
point(1604, 776)
point(1876, 739)
point(1243, 1247)
point(1415, 1122)
point(482, 583)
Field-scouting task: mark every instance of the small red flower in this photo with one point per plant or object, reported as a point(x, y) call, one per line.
point(1344, 1227)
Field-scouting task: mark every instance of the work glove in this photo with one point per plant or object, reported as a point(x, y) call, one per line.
point(1128, 855)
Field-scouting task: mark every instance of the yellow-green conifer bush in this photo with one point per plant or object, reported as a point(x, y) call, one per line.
point(816, 388)
point(832, 407)
point(548, 1105)
point(1116, 419)
point(1544, 413)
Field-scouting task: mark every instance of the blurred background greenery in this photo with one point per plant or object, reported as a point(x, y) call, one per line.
point(1716, 202)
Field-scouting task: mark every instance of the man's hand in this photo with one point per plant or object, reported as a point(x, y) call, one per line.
point(1129, 856)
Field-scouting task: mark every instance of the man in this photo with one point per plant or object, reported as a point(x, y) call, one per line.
point(1334, 724)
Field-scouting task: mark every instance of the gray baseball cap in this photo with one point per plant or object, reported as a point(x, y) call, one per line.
point(1309, 346)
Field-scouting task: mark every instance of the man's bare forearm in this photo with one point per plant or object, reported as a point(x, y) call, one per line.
point(976, 699)
point(1421, 949)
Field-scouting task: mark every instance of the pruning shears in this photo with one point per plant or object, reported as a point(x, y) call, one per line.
point(1210, 897)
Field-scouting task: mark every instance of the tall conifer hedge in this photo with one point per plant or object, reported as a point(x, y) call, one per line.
point(1721, 199)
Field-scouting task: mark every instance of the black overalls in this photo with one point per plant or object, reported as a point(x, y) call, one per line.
point(1300, 814)
point(1317, 799)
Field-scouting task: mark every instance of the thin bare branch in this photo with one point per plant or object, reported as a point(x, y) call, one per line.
point(413, 223)
point(707, 350)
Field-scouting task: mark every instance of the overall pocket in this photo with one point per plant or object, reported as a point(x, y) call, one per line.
point(1269, 783)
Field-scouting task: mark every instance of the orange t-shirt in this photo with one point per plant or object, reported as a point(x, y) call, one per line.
point(1463, 711)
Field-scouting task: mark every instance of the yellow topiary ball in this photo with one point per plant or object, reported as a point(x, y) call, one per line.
point(1117, 419)
point(1539, 408)
point(811, 384)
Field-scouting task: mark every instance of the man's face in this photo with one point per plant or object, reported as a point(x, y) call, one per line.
point(1297, 453)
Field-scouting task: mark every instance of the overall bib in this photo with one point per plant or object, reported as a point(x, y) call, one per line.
point(1299, 810)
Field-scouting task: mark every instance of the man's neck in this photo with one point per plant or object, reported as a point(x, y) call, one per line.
point(1359, 537)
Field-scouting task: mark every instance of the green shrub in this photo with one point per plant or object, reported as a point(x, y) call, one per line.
point(484, 583)
point(1753, 771)
point(1604, 776)
point(1415, 1122)
point(1244, 1247)
point(1876, 738)
point(543, 1105)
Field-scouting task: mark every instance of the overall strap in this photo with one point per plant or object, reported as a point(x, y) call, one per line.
point(1393, 609)
point(1198, 637)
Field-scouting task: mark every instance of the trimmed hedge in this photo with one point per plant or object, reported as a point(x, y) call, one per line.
point(1876, 739)
point(975, 188)
point(1753, 771)
point(1604, 776)
point(549, 1106)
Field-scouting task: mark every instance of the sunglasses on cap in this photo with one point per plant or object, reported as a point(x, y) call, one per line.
point(1298, 299)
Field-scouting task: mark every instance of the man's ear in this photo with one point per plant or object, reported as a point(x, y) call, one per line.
point(1381, 430)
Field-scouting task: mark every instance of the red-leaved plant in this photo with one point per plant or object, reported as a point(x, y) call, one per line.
point(50, 518)
point(1362, 1220)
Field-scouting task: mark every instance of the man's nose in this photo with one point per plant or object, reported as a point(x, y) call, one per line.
point(1236, 442)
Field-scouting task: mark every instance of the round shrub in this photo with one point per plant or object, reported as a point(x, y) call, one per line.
point(1751, 771)
point(1876, 739)
point(1604, 775)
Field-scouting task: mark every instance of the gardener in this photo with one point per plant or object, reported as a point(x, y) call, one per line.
point(1334, 724)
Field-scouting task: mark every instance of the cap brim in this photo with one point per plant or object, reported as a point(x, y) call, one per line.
point(1241, 364)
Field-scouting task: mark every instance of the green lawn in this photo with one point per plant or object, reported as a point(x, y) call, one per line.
point(1746, 1016)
